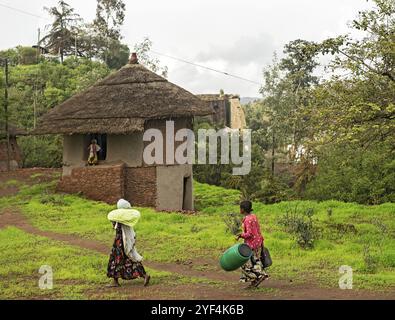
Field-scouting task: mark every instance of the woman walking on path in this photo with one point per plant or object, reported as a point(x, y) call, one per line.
point(125, 262)
point(253, 270)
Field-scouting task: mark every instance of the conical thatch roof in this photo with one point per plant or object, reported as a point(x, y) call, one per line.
point(121, 103)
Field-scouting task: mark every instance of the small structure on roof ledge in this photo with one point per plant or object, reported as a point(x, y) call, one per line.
point(228, 111)
point(114, 113)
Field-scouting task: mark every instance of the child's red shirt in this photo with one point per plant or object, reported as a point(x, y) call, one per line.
point(252, 232)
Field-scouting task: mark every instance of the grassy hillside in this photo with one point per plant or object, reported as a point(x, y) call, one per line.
point(346, 234)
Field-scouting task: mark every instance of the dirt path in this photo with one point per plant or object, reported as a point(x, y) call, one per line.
point(226, 286)
point(25, 176)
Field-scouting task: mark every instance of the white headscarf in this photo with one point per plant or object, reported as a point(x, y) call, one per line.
point(128, 235)
point(123, 204)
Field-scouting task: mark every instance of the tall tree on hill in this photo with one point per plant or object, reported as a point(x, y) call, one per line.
point(368, 66)
point(143, 52)
point(298, 66)
point(374, 53)
point(61, 38)
point(299, 63)
point(110, 15)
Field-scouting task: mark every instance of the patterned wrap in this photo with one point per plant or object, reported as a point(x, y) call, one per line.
point(120, 266)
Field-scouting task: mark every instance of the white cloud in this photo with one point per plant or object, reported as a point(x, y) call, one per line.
point(236, 36)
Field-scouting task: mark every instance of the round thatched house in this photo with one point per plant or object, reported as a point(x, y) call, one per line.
point(116, 112)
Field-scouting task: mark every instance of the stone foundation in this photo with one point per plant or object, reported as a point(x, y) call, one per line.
point(140, 186)
point(164, 187)
point(96, 183)
point(111, 183)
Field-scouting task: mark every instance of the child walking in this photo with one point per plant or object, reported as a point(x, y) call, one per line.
point(253, 270)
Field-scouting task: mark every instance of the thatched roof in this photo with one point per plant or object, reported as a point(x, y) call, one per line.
point(13, 130)
point(121, 103)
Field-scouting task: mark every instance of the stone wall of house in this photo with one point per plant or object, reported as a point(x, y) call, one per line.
point(227, 111)
point(126, 148)
point(74, 147)
point(103, 183)
point(111, 183)
point(140, 186)
point(238, 119)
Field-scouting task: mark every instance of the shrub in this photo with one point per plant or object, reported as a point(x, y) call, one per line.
point(233, 223)
point(301, 225)
point(369, 260)
point(196, 229)
point(53, 199)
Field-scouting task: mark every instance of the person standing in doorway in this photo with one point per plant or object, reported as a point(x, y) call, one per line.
point(94, 149)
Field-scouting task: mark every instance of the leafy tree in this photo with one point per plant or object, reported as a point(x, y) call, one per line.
point(20, 55)
point(61, 38)
point(110, 15)
point(118, 56)
point(347, 172)
point(299, 63)
point(360, 107)
point(352, 114)
point(34, 89)
point(27, 55)
point(142, 49)
point(374, 53)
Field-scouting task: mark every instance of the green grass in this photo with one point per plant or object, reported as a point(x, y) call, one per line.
point(75, 270)
point(12, 183)
point(170, 237)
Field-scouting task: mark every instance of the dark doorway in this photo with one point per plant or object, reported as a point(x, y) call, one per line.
point(187, 194)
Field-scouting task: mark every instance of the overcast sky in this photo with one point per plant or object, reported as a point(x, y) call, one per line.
point(235, 36)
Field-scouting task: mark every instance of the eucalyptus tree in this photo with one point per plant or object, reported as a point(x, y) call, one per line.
point(110, 16)
point(61, 38)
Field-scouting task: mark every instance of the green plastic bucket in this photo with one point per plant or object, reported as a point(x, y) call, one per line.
point(235, 257)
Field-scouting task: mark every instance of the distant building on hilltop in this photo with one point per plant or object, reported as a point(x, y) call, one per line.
point(228, 111)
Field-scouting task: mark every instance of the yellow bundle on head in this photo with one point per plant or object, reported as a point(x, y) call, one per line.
point(128, 217)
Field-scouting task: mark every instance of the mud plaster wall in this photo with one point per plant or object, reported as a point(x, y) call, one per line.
point(126, 148)
point(73, 153)
point(151, 186)
point(170, 184)
point(179, 123)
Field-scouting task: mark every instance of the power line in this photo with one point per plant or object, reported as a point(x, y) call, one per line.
point(22, 11)
point(155, 52)
point(207, 68)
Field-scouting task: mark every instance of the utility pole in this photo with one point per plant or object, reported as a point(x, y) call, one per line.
point(35, 83)
point(75, 44)
point(38, 45)
point(7, 130)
